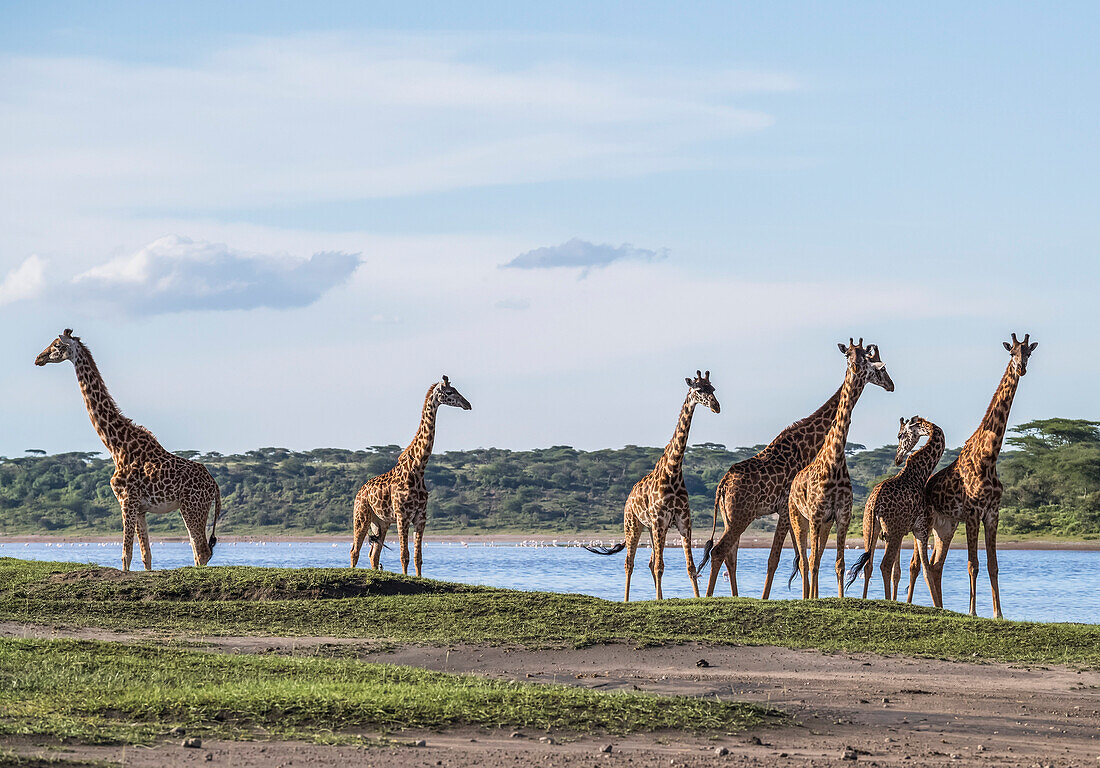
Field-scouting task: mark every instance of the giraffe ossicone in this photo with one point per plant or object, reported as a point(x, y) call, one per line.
point(147, 478)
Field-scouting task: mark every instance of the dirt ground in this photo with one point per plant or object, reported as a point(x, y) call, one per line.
point(883, 711)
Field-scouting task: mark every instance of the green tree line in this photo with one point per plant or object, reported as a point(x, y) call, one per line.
point(1050, 469)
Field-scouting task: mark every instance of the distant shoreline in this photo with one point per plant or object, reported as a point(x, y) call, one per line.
point(750, 542)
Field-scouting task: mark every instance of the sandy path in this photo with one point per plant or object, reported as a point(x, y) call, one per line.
point(895, 711)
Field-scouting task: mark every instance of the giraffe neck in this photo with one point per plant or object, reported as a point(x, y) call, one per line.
point(115, 430)
point(803, 440)
point(673, 456)
point(832, 450)
point(920, 464)
point(986, 440)
point(415, 458)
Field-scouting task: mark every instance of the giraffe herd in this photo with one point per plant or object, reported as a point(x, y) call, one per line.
point(801, 476)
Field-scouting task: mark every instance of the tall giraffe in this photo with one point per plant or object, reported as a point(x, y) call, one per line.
point(968, 490)
point(147, 478)
point(400, 496)
point(897, 507)
point(759, 486)
point(822, 491)
point(660, 499)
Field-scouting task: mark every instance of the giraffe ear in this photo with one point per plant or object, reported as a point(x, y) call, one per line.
point(687, 381)
point(1031, 349)
point(902, 420)
point(1007, 345)
point(68, 333)
point(843, 349)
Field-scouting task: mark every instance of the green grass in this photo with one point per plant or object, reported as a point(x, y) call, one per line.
point(111, 692)
point(238, 600)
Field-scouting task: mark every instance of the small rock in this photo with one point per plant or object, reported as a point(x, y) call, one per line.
point(702, 663)
point(193, 742)
point(421, 743)
point(755, 740)
point(782, 754)
point(546, 739)
point(889, 740)
point(177, 731)
point(721, 751)
point(849, 754)
point(956, 756)
point(516, 735)
point(885, 700)
point(980, 748)
point(606, 748)
point(209, 757)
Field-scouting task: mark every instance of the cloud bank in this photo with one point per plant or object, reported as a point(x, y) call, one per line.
point(24, 282)
point(176, 274)
point(583, 254)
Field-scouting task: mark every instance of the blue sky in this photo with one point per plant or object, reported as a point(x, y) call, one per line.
point(276, 224)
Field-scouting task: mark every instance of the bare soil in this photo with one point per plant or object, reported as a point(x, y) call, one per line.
point(884, 711)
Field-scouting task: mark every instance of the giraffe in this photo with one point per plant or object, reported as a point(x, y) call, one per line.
point(759, 486)
point(822, 491)
point(660, 499)
point(147, 478)
point(896, 506)
point(968, 490)
point(400, 496)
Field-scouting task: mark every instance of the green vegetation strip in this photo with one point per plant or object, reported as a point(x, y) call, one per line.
point(239, 600)
point(1050, 470)
point(92, 691)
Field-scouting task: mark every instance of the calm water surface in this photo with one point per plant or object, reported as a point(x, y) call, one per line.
point(1036, 585)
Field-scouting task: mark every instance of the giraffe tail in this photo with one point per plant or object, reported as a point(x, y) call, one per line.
point(607, 550)
point(794, 572)
point(857, 566)
point(713, 527)
point(217, 514)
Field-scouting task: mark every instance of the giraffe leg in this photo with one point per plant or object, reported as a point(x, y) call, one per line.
point(782, 528)
point(129, 524)
point(657, 559)
point(718, 559)
point(841, 537)
point(819, 540)
point(800, 527)
point(897, 576)
point(418, 539)
point(972, 561)
point(379, 543)
point(633, 532)
point(360, 529)
point(991, 560)
point(683, 525)
point(731, 568)
point(889, 561)
point(403, 543)
point(143, 542)
point(920, 549)
point(915, 568)
point(871, 530)
point(942, 532)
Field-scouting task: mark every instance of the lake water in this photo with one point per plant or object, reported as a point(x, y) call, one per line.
point(1036, 585)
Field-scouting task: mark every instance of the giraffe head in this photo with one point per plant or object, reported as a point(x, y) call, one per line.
point(63, 348)
point(448, 395)
point(909, 433)
point(1020, 351)
point(701, 391)
point(866, 360)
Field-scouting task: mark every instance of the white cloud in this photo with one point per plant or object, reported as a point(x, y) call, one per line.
point(330, 117)
point(583, 254)
point(175, 274)
point(24, 282)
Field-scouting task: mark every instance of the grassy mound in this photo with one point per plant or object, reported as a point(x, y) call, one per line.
point(109, 692)
point(267, 601)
